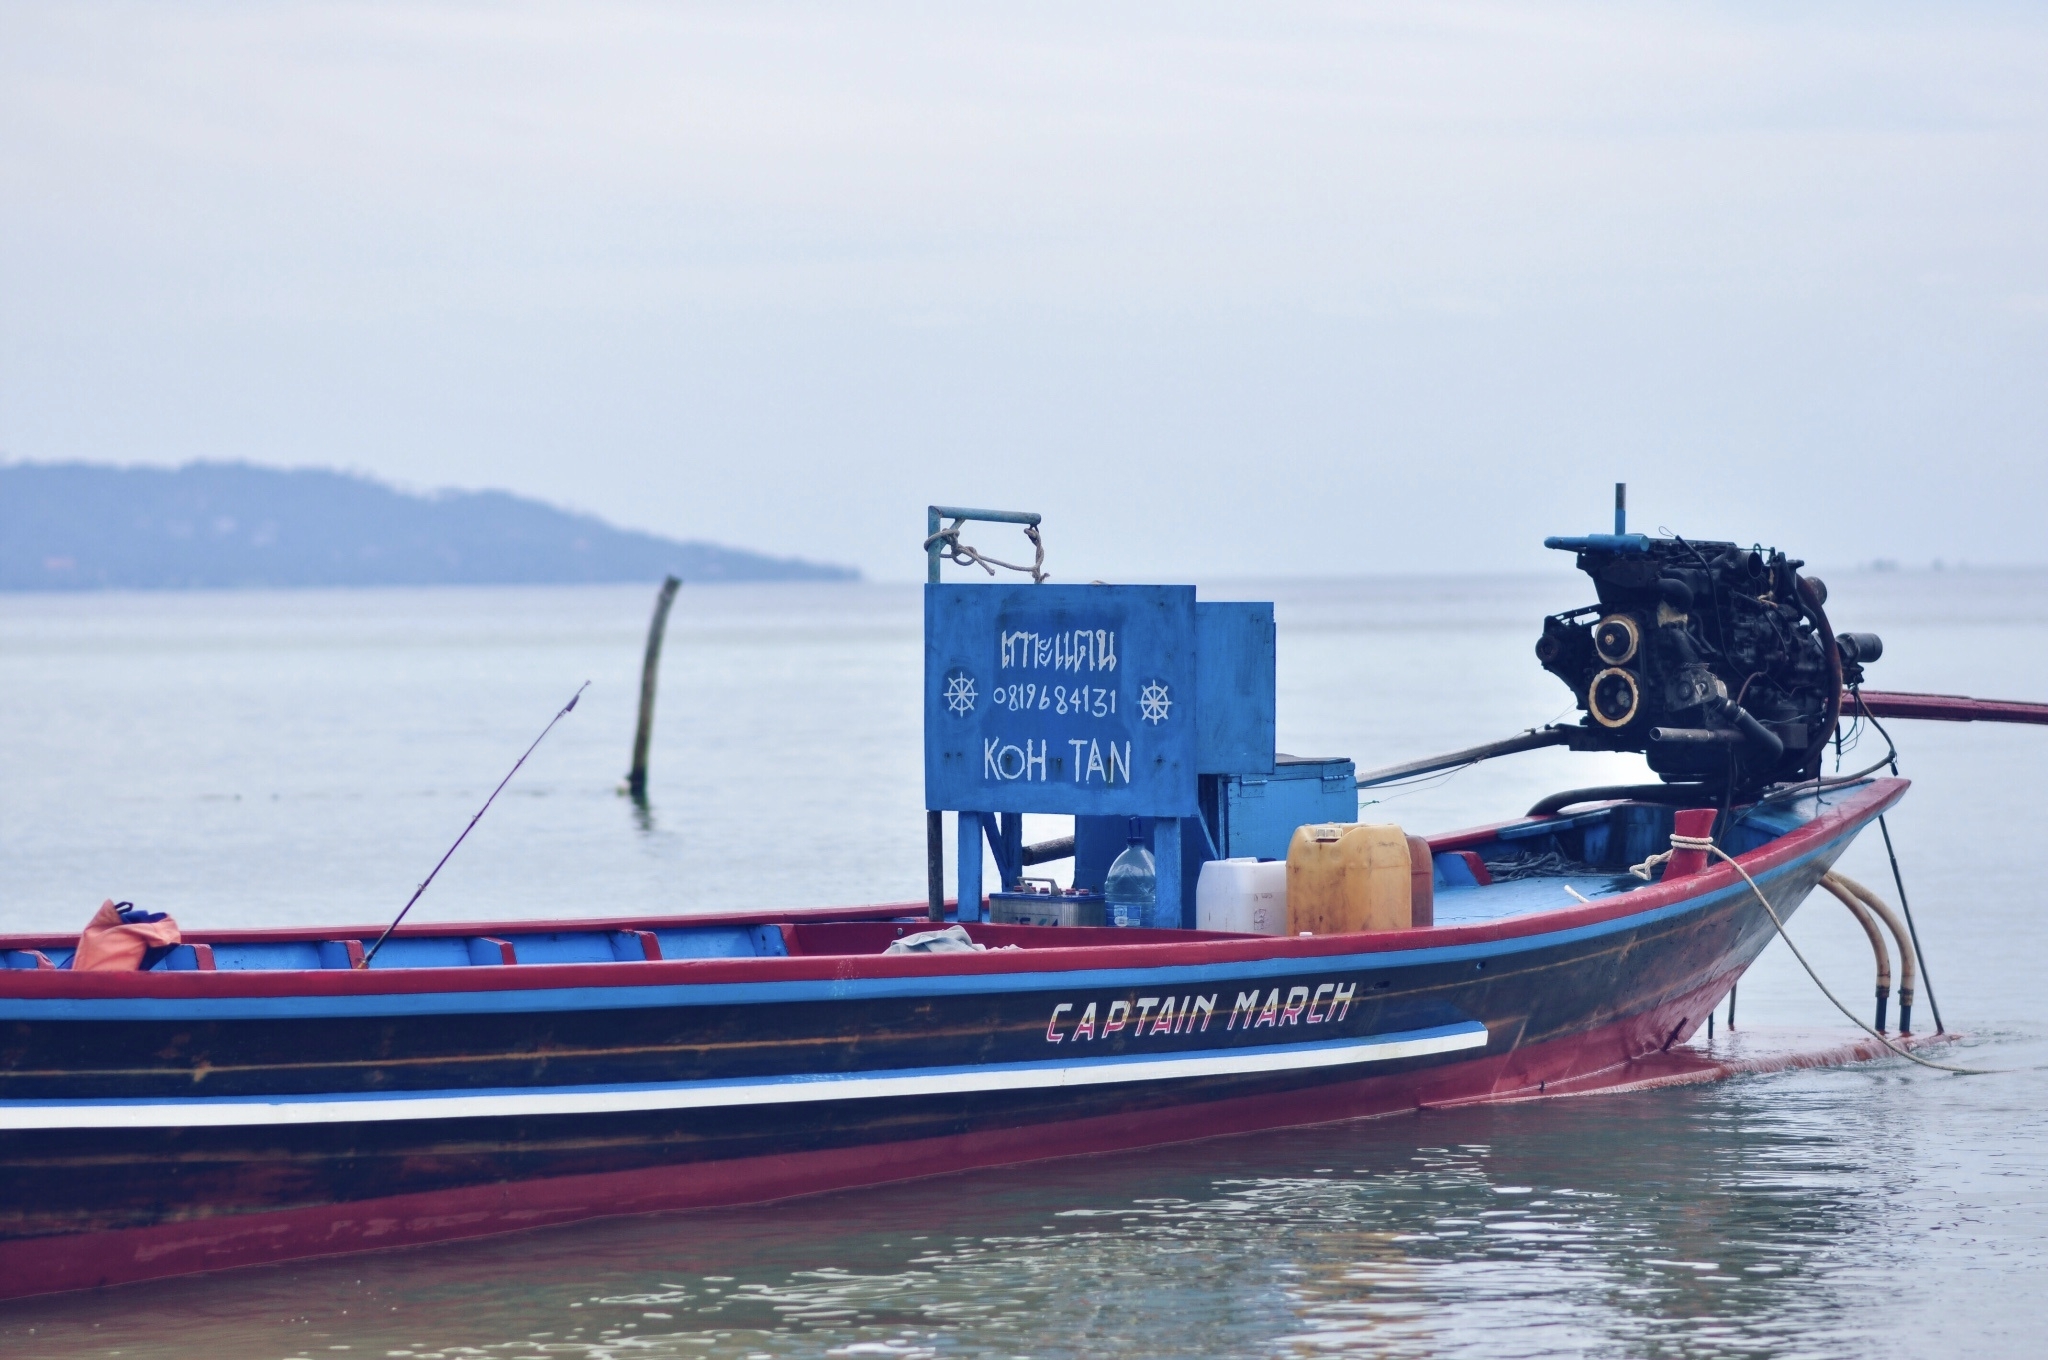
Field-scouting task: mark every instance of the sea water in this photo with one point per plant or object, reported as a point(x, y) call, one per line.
point(251, 759)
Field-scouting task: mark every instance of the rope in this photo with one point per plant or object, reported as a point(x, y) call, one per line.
point(1706, 843)
point(1678, 842)
point(947, 541)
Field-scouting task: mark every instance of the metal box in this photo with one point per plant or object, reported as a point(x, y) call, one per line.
point(1047, 909)
point(1257, 814)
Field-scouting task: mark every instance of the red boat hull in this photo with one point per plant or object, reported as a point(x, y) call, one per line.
point(160, 1125)
point(46, 1265)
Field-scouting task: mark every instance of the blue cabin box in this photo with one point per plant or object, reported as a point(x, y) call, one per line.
point(1114, 704)
point(1256, 814)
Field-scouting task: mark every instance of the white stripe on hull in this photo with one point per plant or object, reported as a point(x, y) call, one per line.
point(697, 1095)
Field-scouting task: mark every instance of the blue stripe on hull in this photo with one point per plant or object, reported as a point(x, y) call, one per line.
point(845, 989)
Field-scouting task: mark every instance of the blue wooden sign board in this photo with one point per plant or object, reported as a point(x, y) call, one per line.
point(1061, 699)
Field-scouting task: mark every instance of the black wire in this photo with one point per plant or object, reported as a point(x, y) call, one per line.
point(1413, 784)
point(1813, 788)
point(1818, 786)
point(1721, 822)
point(1423, 780)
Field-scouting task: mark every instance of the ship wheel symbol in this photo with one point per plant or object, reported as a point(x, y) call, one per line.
point(1154, 702)
point(959, 693)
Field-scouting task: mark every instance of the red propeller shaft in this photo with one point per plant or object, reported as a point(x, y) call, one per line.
point(1945, 708)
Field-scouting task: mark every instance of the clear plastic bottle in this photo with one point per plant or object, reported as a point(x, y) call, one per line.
point(1131, 890)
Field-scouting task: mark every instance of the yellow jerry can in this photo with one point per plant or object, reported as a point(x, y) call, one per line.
point(1343, 877)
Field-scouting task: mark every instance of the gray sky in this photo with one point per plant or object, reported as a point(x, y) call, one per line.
point(1221, 289)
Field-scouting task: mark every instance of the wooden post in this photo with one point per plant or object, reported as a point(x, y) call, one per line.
point(1166, 865)
point(969, 835)
point(935, 863)
point(636, 778)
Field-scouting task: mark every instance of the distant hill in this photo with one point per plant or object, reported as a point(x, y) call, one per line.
point(70, 526)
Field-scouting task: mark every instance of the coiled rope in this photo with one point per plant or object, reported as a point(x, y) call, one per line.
point(947, 541)
point(1706, 843)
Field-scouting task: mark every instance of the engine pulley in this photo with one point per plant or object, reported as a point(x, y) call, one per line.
point(1616, 638)
point(1613, 698)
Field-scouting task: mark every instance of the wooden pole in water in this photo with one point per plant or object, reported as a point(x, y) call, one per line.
point(636, 778)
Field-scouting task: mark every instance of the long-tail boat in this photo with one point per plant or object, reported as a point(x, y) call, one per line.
point(261, 1096)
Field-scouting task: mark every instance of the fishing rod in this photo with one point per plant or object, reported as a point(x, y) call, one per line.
point(567, 708)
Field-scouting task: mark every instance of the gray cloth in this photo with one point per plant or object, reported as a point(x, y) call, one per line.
point(951, 940)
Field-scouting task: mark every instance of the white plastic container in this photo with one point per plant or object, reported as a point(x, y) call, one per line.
point(1246, 896)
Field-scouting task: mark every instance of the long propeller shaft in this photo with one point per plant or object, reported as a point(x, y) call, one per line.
point(1945, 707)
point(1532, 740)
point(1877, 703)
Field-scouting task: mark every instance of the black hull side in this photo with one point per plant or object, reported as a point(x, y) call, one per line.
point(1624, 991)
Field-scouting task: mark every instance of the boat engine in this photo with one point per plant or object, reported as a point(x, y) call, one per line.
point(1716, 661)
